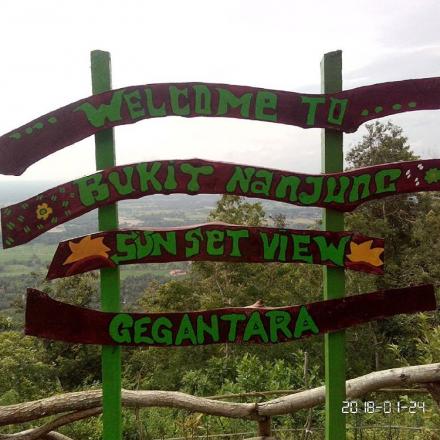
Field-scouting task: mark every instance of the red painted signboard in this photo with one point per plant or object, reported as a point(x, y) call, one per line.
point(26, 220)
point(217, 242)
point(345, 111)
point(50, 319)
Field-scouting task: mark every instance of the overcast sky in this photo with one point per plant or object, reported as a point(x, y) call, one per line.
point(46, 46)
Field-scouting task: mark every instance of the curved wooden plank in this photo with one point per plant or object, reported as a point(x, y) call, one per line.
point(344, 111)
point(47, 318)
point(217, 242)
point(342, 191)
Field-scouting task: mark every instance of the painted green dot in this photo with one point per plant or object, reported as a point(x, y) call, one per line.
point(39, 125)
point(378, 109)
point(397, 106)
point(52, 120)
point(412, 104)
point(15, 136)
point(364, 112)
point(29, 130)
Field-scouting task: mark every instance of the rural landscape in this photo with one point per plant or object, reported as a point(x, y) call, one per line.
point(32, 368)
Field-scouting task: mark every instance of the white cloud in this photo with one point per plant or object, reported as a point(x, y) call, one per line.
point(277, 45)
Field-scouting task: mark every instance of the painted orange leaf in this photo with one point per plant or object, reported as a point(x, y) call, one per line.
point(364, 253)
point(87, 247)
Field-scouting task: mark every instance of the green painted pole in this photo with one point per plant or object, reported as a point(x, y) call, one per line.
point(332, 158)
point(110, 282)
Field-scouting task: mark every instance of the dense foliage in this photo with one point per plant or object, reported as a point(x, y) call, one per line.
point(31, 368)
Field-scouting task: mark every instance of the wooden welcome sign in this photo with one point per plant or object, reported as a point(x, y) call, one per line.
point(345, 111)
point(217, 242)
point(47, 318)
point(26, 220)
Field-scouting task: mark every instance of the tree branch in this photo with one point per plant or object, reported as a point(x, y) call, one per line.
point(84, 401)
point(45, 431)
point(355, 388)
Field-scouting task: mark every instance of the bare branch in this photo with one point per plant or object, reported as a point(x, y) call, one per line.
point(355, 388)
point(45, 430)
point(55, 436)
point(84, 401)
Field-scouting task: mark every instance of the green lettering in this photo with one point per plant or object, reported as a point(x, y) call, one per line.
point(186, 331)
point(266, 100)
point(313, 102)
point(331, 253)
point(98, 117)
point(91, 190)
point(168, 243)
point(337, 106)
point(301, 250)
point(385, 180)
point(309, 199)
point(235, 236)
point(240, 177)
point(147, 176)
point(332, 183)
point(140, 328)
point(233, 319)
point(195, 172)
point(152, 110)
point(161, 331)
point(283, 248)
point(213, 237)
point(170, 182)
point(262, 187)
point(304, 323)
point(202, 104)
point(134, 107)
point(288, 182)
point(194, 236)
point(144, 244)
point(279, 320)
point(119, 328)
point(126, 249)
point(255, 327)
point(364, 180)
point(115, 179)
point(203, 328)
point(228, 99)
point(175, 94)
point(269, 248)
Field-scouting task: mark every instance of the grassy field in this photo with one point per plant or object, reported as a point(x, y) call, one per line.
point(22, 260)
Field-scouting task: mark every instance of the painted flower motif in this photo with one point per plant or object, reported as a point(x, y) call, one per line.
point(43, 211)
point(432, 175)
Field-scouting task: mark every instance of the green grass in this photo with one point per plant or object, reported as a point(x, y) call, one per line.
point(25, 259)
point(27, 251)
point(21, 261)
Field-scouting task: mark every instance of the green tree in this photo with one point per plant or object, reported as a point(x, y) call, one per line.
point(76, 364)
point(401, 221)
point(24, 372)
